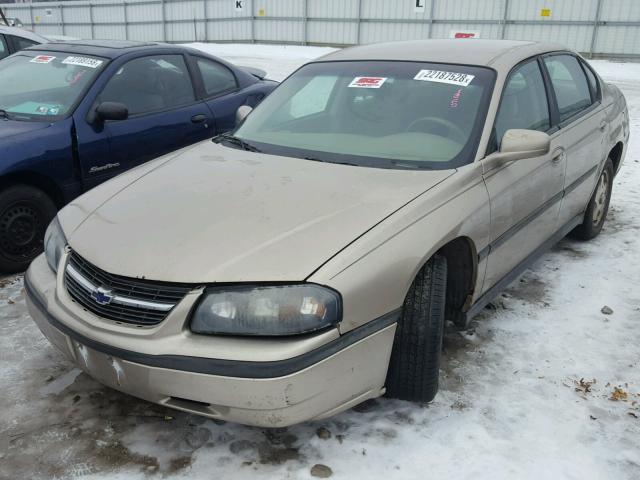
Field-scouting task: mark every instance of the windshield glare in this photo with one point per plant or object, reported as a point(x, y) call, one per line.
point(381, 114)
point(45, 86)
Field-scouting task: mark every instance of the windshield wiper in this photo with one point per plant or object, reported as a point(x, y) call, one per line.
point(315, 159)
point(227, 137)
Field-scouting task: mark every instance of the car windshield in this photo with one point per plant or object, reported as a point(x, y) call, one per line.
point(380, 114)
point(45, 86)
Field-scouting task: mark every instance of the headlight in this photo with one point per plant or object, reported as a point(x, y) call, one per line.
point(266, 310)
point(54, 243)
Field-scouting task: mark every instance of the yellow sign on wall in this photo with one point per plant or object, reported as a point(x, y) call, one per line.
point(545, 12)
point(261, 12)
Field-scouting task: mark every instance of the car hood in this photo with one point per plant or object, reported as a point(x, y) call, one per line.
point(12, 128)
point(217, 214)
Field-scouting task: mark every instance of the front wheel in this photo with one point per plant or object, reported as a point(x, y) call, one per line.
point(598, 206)
point(25, 212)
point(417, 346)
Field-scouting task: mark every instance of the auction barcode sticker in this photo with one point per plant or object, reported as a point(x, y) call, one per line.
point(439, 76)
point(367, 82)
point(82, 62)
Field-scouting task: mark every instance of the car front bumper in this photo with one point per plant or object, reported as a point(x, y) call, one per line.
point(315, 384)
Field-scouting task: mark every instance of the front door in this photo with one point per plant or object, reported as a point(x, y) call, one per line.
point(525, 195)
point(164, 115)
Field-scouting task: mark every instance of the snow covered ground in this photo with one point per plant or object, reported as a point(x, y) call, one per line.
point(543, 386)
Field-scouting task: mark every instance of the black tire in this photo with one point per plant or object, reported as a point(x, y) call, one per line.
point(25, 213)
point(417, 346)
point(598, 206)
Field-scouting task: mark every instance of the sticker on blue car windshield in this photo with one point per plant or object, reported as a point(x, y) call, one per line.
point(83, 62)
point(439, 76)
point(42, 59)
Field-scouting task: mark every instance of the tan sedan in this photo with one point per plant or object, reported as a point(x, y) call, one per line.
point(308, 262)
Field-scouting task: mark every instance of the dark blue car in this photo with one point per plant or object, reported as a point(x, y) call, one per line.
point(75, 114)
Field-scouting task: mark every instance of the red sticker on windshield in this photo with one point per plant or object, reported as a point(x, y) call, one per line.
point(367, 82)
point(42, 59)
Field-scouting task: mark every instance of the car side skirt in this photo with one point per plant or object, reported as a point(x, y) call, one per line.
point(521, 267)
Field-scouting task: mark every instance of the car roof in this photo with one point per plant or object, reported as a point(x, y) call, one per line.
point(20, 32)
point(106, 48)
point(494, 53)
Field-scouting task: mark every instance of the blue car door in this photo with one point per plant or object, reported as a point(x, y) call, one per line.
point(165, 114)
point(223, 93)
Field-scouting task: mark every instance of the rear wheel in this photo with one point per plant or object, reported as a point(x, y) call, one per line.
point(417, 346)
point(598, 206)
point(25, 213)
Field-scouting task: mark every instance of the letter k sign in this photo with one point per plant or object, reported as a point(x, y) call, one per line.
point(239, 4)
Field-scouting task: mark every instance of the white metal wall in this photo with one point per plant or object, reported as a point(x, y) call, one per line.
point(601, 27)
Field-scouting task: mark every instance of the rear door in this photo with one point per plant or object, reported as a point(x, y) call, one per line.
point(164, 115)
point(582, 128)
point(222, 92)
point(525, 195)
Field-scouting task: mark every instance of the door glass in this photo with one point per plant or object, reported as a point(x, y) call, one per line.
point(592, 80)
point(524, 102)
point(4, 50)
point(21, 43)
point(569, 83)
point(216, 78)
point(150, 84)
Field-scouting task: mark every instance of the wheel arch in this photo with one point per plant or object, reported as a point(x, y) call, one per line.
point(615, 154)
point(36, 180)
point(462, 273)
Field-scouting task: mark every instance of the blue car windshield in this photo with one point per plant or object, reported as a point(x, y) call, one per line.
point(45, 86)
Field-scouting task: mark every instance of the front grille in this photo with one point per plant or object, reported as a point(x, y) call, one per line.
point(134, 301)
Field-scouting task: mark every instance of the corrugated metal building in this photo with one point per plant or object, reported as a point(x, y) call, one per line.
point(598, 27)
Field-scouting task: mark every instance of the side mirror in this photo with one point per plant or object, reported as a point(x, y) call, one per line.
point(112, 111)
point(242, 112)
point(518, 144)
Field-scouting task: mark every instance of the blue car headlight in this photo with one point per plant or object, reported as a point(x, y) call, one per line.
point(54, 243)
point(266, 310)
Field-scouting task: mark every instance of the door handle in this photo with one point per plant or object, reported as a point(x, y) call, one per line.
point(603, 126)
point(198, 118)
point(557, 155)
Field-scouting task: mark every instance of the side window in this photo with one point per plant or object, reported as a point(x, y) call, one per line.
point(570, 84)
point(216, 78)
point(524, 102)
point(593, 81)
point(4, 49)
point(150, 84)
point(313, 97)
point(20, 43)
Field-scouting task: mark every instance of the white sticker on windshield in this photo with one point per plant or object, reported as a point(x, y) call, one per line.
point(42, 59)
point(439, 76)
point(367, 82)
point(82, 62)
